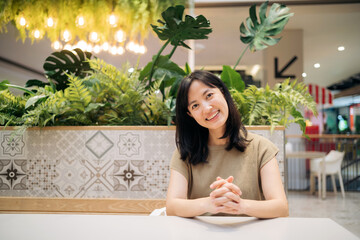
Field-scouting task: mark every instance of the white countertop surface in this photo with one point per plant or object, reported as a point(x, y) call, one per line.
point(107, 227)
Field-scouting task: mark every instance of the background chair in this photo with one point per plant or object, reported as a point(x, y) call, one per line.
point(333, 162)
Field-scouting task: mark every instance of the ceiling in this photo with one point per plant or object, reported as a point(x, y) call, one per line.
point(325, 27)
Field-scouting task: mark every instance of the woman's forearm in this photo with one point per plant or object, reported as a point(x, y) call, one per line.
point(187, 207)
point(265, 209)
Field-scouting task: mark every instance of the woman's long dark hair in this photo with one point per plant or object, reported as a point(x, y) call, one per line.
point(191, 138)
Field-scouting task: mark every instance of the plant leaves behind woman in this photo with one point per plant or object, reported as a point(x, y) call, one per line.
point(176, 31)
point(258, 36)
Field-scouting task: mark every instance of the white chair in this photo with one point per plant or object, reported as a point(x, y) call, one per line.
point(333, 162)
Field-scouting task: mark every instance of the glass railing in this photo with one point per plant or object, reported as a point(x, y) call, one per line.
point(299, 169)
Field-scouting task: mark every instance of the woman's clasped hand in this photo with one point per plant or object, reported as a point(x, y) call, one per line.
point(226, 196)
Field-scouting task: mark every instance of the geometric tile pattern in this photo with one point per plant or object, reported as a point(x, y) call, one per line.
point(11, 145)
point(99, 144)
point(93, 164)
point(98, 183)
point(129, 175)
point(41, 174)
point(13, 174)
point(129, 144)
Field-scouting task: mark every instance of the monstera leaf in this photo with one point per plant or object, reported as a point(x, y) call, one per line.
point(58, 64)
point(259, 35)
point(176, 30)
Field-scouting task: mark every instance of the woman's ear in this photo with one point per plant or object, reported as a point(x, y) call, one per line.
point(189, 114)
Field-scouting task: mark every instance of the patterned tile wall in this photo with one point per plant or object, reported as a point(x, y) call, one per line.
point(92, 163)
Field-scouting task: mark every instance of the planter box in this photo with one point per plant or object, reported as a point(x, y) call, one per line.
point(94, 162)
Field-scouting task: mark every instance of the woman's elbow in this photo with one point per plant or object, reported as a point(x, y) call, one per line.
point(285, 209)
point(170, 211)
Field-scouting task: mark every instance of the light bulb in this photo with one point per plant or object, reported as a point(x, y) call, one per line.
point(22, 21)
point(142, 49)
point(120, 50)
point(94, 37)
point(66, 36)
point(89, 48)
point(50, 22)
point(112, 20)
point(68, 47)
point(136, 48)
point(105, 46)
point(317, 65)
point(130, 46)
point(82, 45)
point(80, 21)
point(56, 45)
point(341, 48)
point(37, 34)
point(120, 36)
point(113, 50)
point(304, 74)
point(96, 49)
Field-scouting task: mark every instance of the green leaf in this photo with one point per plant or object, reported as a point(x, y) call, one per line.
point(259, 35)
point(187, 69)
point(59, 64)
point(299, 119)
point(4, 85)
point(93, 106)
point(177, 30)
point(34, 100)
point(165, 69)
point(232, 79)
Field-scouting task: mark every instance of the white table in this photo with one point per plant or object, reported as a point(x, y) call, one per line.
point(108, 227)
point(312, 155)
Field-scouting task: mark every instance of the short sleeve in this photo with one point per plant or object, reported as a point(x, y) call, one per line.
point(179, 165)
point(266, 151)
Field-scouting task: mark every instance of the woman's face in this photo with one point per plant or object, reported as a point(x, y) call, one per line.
point(207, 106)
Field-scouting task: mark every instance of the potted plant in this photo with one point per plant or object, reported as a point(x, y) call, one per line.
point(109, 159)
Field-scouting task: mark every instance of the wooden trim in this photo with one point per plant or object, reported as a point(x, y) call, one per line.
point(325, 136)
point(103, 128)
point(67, 205)
point(264, 127)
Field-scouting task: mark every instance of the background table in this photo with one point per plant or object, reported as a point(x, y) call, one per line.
point(108, 227)
point(312, 155)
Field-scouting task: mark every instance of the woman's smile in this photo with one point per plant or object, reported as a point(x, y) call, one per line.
point(213, 116)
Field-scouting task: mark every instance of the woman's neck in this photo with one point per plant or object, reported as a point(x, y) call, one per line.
point(215, 138)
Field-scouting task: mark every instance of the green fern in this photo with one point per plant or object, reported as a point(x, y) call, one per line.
point(277, 106)
point(78, 95)
point(121, 92)
point(158, 112)
point(11, 108)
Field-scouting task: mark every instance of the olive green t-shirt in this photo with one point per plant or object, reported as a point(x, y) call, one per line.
point(243, 166)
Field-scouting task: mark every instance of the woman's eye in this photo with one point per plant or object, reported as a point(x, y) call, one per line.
point(194, 106)
point(209, 95)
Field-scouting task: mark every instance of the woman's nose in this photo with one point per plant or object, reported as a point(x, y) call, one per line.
point(207, 106)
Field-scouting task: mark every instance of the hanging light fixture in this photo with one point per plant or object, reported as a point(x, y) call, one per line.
point(96, 26)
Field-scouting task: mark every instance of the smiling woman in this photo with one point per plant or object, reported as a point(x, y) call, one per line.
point(218, 168)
